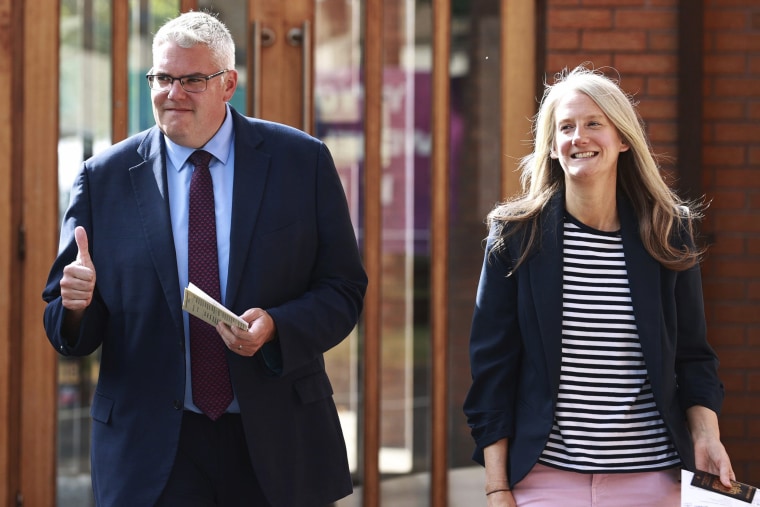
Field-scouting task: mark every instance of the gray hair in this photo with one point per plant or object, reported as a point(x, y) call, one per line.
point(192, 28)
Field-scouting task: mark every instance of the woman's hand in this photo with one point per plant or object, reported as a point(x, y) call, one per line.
point(709, 453)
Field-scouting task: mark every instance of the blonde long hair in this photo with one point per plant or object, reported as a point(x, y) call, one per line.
point(658, 209)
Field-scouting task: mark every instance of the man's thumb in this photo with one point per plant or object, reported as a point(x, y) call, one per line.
point(83, 246)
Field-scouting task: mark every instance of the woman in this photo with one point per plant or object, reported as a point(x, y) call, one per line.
point(593, 382)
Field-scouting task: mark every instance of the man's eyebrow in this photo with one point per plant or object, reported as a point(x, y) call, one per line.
point(163, 73)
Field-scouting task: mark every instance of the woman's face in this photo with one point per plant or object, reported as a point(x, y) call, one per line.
point(586, 143)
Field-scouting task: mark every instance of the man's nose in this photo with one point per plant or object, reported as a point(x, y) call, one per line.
point(176, 88)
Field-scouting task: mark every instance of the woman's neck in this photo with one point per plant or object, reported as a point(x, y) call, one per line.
point(597, 210)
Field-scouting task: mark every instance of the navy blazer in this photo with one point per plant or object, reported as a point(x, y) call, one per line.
point(516, 342)
point(293, 252)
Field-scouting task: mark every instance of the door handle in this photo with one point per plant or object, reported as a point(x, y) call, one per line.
point(262, 37)
point(302, 36)
point(254, 89)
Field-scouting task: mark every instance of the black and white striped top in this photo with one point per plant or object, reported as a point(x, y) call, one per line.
point(606, 420)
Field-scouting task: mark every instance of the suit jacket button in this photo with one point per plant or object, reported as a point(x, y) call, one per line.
point(177, 405)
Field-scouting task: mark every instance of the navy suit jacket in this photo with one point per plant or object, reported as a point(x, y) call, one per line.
point(516, 342)
point(293, 252)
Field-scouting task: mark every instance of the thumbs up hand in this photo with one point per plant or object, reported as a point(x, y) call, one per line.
point(78, 281)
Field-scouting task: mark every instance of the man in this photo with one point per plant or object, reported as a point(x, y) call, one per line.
point(261, 429)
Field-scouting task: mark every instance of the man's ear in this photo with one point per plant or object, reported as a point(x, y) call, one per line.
point(230, 84)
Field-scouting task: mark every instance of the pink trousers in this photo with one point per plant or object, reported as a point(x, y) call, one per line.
point(549, 487)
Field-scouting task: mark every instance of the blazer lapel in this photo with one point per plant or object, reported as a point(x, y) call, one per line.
point(545, 268)
point(644, 280)
point(251, 172)
point(151, 193)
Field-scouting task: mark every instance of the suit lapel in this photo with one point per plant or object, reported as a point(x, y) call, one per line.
point(545, 269)
point(251, 172)
point(150, 190)
point(644, 280)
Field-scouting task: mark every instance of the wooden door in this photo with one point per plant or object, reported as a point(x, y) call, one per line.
point(28, 238)
point(280, 56)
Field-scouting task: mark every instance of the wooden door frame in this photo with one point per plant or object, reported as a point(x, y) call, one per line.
point(29, 235)
point(10, 284)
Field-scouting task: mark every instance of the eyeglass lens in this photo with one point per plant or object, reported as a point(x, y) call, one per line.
point(189, 84)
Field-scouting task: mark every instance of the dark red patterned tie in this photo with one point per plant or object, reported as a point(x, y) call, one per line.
point(212, 389)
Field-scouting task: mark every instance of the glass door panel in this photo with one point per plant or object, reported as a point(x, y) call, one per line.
point(404, 195)
point(338, 113)
point(84, 129)
point(405, 200)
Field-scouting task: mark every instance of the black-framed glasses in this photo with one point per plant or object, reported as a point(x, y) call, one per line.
point(192, 84)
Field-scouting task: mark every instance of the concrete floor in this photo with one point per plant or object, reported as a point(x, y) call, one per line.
point(465, 490)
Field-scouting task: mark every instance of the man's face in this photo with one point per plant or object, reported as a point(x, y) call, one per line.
point(190, 119)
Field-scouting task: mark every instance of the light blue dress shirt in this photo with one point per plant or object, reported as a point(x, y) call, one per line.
point(178, 174)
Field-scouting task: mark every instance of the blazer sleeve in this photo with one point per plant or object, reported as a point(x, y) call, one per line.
point(696, 362)
point(495, 349)
point(91, 330)
point(323, 315)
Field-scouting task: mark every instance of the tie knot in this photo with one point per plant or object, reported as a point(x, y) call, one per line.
point(200, 158)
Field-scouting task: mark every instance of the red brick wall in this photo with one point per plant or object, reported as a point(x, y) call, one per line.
point(639, 39)
point(731, 164)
